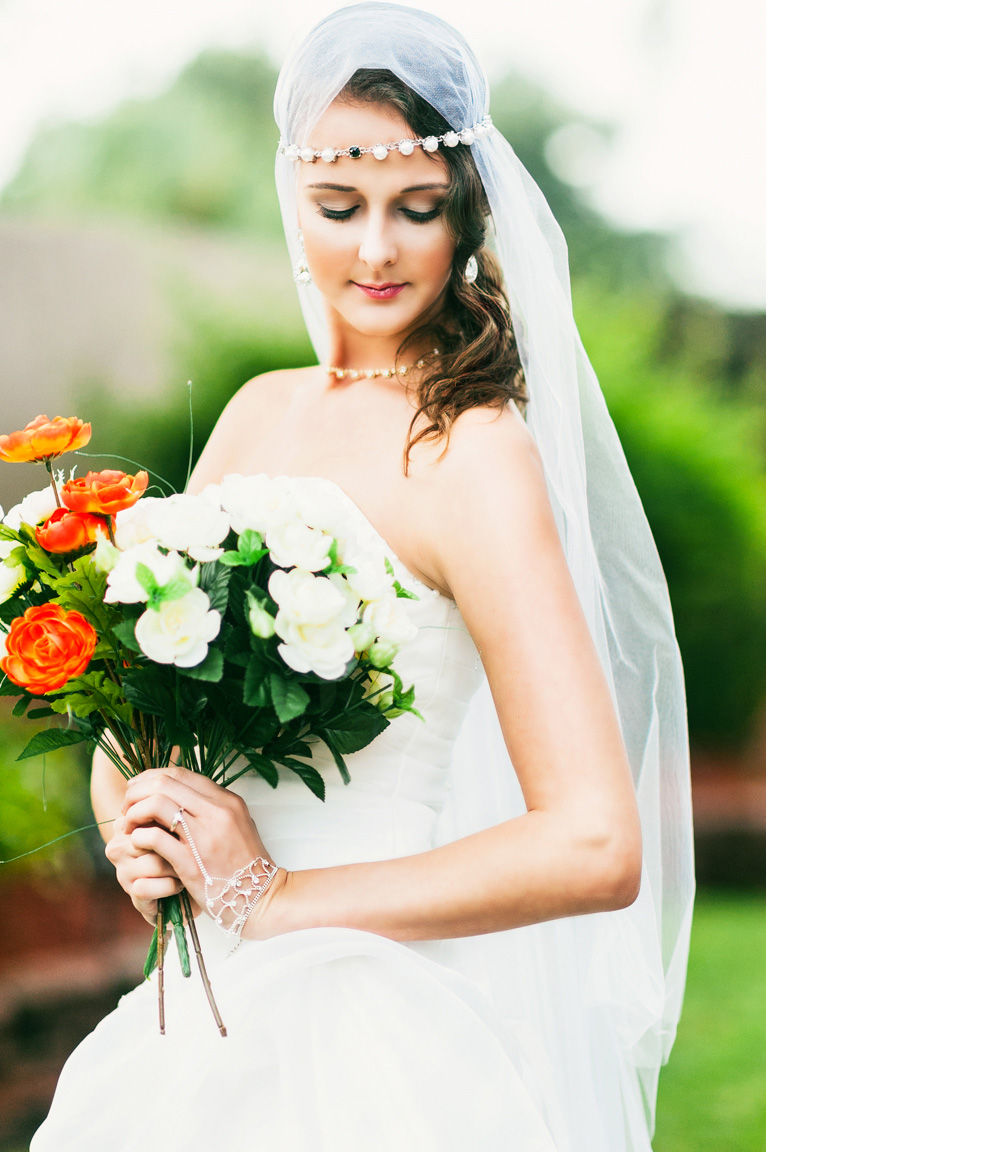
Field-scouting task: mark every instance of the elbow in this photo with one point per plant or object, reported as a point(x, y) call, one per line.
point(624, 882)
point(614, 875)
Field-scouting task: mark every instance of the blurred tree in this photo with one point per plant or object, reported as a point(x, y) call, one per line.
point(40, 800)
point(202, 152)
point(683, 376)
point(531, 118)
point(697, 460)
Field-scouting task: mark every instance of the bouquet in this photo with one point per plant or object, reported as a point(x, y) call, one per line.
point(227, 631)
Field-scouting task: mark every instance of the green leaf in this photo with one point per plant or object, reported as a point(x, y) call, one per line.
point(260, 729)
point(209, 669)
point(341, 764)
point(355, 729)
point(146, 580)
point(404, 593)
point(12, 608)
point(308, 775)
point(9, 688)
point(290, 699)
point(175, 914)
point(263, 767)
point(148, 690)
point(125, 631)
point(214, 580)
point(50, 740)
point(249, 552)
point(255, 684)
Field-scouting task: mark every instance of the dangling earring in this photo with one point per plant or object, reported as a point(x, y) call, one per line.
point(302, 273)
point(471, 270)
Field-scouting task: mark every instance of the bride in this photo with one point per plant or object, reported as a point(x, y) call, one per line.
point(480, 942)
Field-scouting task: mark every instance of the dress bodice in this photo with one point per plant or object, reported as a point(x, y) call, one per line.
point(399, 782)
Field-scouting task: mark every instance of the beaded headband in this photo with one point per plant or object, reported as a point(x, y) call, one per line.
point(380, 151)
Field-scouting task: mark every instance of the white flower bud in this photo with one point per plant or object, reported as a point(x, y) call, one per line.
point(261, 621)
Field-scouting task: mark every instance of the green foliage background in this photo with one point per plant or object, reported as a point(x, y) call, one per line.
point(684, 380)
point(683, 377)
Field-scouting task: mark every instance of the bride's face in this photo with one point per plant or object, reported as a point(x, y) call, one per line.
point(375, 239)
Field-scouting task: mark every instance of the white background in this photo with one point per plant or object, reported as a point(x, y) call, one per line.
point(883, 698)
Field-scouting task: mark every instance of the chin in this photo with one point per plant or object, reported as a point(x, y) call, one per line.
point(383, 320)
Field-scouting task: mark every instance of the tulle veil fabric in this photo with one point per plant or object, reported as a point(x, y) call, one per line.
point(593, 1000)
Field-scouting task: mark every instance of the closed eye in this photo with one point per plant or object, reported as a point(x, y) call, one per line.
point(421, 217)
point(409, 213)
point(336, 214)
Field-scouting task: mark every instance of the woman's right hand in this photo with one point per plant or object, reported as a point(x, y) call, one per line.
point(144, 875)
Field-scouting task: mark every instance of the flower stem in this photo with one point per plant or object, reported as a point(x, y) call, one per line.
point(185, 903)
point(55, 490)
point(160, 947)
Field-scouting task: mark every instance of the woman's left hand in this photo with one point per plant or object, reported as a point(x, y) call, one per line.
point(217, 821)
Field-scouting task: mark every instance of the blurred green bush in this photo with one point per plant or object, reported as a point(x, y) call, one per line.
point(40, 800)
point(683, 376)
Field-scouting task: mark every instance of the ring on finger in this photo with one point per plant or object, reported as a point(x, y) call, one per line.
point(177, 817)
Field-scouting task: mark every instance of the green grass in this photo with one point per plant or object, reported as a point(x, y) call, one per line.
point(711, 1094)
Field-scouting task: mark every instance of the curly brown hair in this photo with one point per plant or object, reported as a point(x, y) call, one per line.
point(478, 365)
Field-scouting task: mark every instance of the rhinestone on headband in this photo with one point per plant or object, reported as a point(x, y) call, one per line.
point(380, 151)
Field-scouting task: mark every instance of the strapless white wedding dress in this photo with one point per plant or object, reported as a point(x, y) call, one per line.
point(338, 1039)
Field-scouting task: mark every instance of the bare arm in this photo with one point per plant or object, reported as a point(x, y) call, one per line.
point(107, 792)
point(577, 848)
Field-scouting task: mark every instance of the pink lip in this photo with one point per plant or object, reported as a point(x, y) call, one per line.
point(380, 291)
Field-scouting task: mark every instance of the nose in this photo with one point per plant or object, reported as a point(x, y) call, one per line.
point(377, 248)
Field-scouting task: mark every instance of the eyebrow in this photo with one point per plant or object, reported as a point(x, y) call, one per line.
point(411, 188)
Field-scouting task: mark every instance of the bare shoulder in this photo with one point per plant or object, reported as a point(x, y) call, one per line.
point(249, 409)
point(491, 457)
point(490, 502)
point(265, 390)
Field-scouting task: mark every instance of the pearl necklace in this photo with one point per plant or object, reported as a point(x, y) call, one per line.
point(372, 373)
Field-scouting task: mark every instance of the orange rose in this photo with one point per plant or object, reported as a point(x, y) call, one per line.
point(46, 647)
point(66, 531)
point(104, 492)
point(44, 439)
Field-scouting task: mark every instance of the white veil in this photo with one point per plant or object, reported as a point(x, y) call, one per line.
point(592, 1001)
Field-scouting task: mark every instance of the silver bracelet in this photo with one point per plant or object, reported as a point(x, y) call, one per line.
point(231, 904)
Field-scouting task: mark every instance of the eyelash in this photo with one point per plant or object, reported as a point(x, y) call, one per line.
point(346, 213)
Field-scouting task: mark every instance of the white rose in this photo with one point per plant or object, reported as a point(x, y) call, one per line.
point(390, 621)
point(33, 509)
point(370, 580)
point(190, 524)
point(131, 525)
point(293, 544)
point(124, 587)
point(315, 502)
point(256, 501)
point(180, 630)
point(313, 615)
